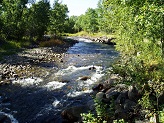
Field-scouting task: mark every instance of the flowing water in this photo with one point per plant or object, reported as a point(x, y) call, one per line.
point(38, 99)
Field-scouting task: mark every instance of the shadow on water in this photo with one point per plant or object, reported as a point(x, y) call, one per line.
point(37, 104)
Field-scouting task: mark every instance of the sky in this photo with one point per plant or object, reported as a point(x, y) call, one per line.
point(78, 7)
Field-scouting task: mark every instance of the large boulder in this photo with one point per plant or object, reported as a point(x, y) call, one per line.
point(129, 105)
point(100, 96)
point(72, 114)
point(133, 93)
point(122, 97)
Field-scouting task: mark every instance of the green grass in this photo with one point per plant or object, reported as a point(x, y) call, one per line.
point(11, 47)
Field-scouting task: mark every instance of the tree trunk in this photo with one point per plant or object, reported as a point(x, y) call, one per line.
point(162, 37)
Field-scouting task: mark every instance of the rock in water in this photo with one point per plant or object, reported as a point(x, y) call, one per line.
point(84, 78)
point(73, 114)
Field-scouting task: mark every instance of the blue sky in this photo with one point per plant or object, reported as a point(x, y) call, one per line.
point(78, 7)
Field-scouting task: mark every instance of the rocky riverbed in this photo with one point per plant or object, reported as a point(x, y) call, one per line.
point(56, 85)
point(26, 68)
point(31, 62)
point(102, 39)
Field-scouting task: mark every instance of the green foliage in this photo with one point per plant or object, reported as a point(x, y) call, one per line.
point(12, 16)
point(37, 19)
point(90, 21)
point(146, 102)
point(87, 22)
point(161, 116)
point(58, 17)
point(104, 113)
point(119, 121)
point(69, 25)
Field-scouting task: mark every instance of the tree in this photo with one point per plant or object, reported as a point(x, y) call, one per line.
point(91, 21)
point(58, 16)
point(79, 23)
point(138, 24)
point(87, 22)
point(37, 19)
point(69, 24)
point(12, 18)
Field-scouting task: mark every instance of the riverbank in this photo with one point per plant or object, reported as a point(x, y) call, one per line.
point(96, 37)
point(25, 62)
point(24, 69)
point(49, 78)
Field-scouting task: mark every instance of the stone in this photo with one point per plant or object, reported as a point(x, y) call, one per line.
point(121, 87)
point(112, 93)
point(84, 78)
point(121, 114)
point(100, 96)
point(129, 105)
point(122, 97)
point(97, 87)
point(73, 114)
point(133, 93)
point(91, 105)
point(92, 68)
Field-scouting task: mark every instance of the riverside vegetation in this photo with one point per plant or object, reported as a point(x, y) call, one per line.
point(137, 25)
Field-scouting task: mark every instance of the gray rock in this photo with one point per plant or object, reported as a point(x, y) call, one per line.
point(112, 93)
point(84, 78)
point(121, 87)
point(122, 97)
point(100, 96)
point(121, 114)
point(91, 105)
point(133, 93)
point(129, 105)
point(73, 114)
point(97, 87)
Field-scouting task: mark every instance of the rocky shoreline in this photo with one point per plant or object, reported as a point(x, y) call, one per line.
point(34, 62)
point(102, 39)
point(120, 101)
point(28, 62)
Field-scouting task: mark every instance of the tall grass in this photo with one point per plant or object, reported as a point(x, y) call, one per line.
point(51, 43)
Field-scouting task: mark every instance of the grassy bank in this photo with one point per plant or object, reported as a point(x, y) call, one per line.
point(86, 34)
point(12, 47)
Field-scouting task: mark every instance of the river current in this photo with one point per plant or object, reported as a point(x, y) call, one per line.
point(39, 99)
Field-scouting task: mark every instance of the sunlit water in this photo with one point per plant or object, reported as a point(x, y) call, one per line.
point(46, 98)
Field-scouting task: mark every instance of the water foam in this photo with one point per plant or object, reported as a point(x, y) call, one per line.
point(54, 85)
point(76, 86)
point(28, 81)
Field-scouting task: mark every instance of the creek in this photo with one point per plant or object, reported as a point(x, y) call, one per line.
point(36, 100)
